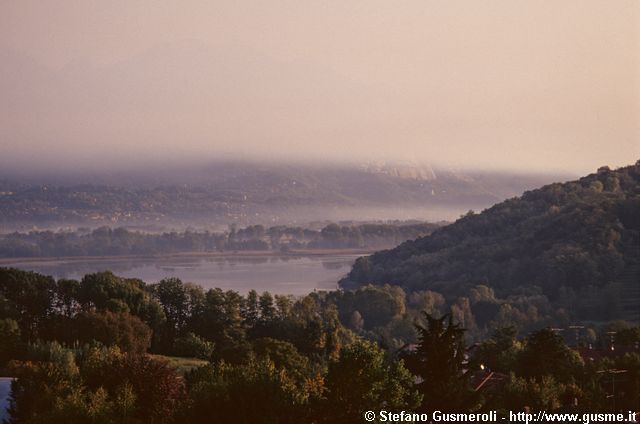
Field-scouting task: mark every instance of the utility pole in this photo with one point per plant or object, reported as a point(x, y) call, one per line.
point(613, 373)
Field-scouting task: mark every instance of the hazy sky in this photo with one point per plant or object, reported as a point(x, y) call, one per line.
point(532, 85)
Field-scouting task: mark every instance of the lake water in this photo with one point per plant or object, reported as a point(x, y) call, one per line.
point(277, 274)
point(5, 389)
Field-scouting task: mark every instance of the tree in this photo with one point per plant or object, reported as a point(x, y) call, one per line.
point(267, 309)
point(546, 354)
point(376, 305)
point(41, 387)
point(284, 356)
point(126, 331)
point(222, 323)
point(157, 388)
point(500, 352)
point(283, 306)
point(196, 305)
point(26, 297)
point(172, 296)
point(106, 291)
point(361, 380)
point(9, 340)
point(193, 346)
point(439, 362)
point(251, 311)
point(256, 391)
point(140, 387)
point(67, 297)
point(543, 395)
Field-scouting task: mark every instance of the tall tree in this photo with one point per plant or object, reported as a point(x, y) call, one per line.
point(267, 308)
point(172, 296)
point(251, 311)
point(439, 362)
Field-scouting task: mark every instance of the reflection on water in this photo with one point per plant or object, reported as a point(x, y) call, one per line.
point(277, 274)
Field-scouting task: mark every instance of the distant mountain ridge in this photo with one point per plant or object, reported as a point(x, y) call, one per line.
point(247, 193)
point(407, 170)
point(576, 242)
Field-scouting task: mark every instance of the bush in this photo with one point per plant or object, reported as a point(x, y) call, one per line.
point(193, 346)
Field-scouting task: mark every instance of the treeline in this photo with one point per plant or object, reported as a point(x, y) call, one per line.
point(181, 319)
point(80, 352)
point(120, 241)
point(577, 243)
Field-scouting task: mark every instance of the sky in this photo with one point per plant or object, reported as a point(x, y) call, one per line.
point(501, 84)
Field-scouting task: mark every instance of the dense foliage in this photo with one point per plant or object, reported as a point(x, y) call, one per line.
point(80, 352)
point(577, 244)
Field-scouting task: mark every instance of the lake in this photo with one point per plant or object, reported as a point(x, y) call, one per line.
point(5, 389)
point(296, 275)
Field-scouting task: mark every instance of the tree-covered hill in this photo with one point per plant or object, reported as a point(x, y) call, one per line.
point(575, 242)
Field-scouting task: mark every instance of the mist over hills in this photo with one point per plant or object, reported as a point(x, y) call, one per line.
point(246, 192)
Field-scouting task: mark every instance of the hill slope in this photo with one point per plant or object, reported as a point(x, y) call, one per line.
point(576, 243)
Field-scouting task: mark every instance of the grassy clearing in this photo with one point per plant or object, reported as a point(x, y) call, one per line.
point(182, 365)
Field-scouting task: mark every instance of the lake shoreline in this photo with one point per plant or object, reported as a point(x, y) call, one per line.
point(215, 254)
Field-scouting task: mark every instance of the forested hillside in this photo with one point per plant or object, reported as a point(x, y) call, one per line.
point(576, 243)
